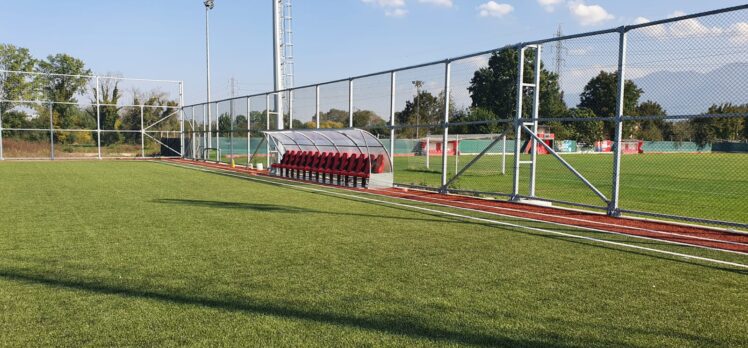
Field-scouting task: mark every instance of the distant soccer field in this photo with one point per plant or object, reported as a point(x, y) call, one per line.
point(704, 185)
point(114, 253)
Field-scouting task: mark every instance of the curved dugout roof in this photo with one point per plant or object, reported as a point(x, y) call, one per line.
point(348, 140)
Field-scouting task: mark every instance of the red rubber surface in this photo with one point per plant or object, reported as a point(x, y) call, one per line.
point(692, 235)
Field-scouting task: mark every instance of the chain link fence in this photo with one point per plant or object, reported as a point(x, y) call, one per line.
point(649, 119)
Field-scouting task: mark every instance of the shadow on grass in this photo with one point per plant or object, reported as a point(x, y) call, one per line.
point(289, 209)
point(411, 328)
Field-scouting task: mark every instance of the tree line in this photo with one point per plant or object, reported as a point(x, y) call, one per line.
point(493, 91)
point(62, 79)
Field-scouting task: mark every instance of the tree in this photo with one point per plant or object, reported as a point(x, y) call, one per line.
point(15, 86)
point(476, 114)
point(600, 96)
point(709, 130)
point(366, 118)
point(654, 129)
point(494, 88)
point(62, 80)
point(108, 111)
point(587, 132)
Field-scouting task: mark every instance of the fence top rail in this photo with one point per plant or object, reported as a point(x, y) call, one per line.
point(88, 76)
point(621, 29)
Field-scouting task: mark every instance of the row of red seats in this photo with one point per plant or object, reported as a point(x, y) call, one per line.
point(343, 166)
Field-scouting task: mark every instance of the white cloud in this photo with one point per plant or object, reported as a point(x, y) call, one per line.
point(398, 12)
point(739, 33)
point(393, 8)
point(386, 3)
point(654, 31)
point(549, 5)
point(589, 14)
point(442, 3)
point(494, 9)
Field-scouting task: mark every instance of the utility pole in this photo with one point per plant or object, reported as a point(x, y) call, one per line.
point(559, 53)
point(233, 86)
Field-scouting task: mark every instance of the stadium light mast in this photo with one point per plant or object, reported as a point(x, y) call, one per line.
point(209, 4)
point(277, 58)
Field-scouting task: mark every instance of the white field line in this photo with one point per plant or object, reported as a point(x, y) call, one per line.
point(500, 223)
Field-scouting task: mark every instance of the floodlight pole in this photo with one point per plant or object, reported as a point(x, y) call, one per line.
point(209, 4)
point(277, 69)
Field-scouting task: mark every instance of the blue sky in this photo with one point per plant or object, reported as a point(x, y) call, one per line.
point(333, 39)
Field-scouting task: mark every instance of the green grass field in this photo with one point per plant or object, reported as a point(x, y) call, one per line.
point(119, 253)
point(708, 186)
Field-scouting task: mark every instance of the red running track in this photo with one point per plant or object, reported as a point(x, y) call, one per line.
point(691, 235)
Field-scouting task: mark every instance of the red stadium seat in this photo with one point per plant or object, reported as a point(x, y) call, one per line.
point(344, 160)
point(332, 165)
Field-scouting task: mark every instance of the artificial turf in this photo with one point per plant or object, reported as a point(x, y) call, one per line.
point(141, 253)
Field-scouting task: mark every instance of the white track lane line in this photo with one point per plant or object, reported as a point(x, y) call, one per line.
point(500, 223)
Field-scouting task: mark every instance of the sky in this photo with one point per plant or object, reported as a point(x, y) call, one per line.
point(164, 39)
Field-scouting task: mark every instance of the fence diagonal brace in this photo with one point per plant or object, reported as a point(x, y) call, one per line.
point(567, 165)
point(470, 164)
point(161, 120)
point(167, 146)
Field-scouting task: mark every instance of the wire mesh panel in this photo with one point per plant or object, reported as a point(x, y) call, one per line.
point(333, 104)
point(304, 108)
point(224, 128)
point(258, 123)
point(684, 149)
point(371, 103)
point(238, 137)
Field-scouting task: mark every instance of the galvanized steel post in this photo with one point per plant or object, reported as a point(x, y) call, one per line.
point(142, 131)
point(249, 128)
point(350, 103)
point(445, 137)
point(613, 208)
point(393, 78)
point(316, 107)
point(98, 117)
point(51, 133)
point(518, 120)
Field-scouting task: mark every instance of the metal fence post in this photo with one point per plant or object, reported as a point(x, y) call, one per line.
point(205, 128)
point(181, 119)
point(218, 135)
point(350, 103)
point(445, 137)
point(231, 131)
point(249, 128)
point(393, 78)
point(316, 108)
point(1, 135)
point(267, 127)
point(518, 120)
point(613, 208)
point(535, 115)
point(51, 133)
point(98, 117)
point(290, 109)
point(142, 131)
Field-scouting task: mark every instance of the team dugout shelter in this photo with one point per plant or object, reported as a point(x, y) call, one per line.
point(345, 157)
